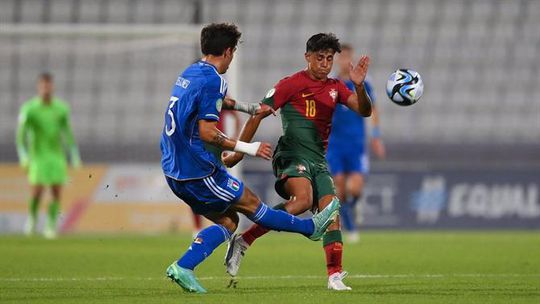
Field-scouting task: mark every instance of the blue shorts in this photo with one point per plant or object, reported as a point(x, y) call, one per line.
point(347, 160)
point(215, 193)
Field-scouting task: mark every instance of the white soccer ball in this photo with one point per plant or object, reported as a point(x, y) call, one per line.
point(404, 87)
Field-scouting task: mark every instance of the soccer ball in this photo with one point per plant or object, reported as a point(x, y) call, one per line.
point(405, 87)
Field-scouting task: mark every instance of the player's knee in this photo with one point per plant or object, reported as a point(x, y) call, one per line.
point(248, 203)
point(231, 222)
point(356, 193)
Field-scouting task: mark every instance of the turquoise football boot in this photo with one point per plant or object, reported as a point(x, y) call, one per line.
point(324, 218)
point(185, 278)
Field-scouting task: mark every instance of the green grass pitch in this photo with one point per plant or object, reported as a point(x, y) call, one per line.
point(385, 267)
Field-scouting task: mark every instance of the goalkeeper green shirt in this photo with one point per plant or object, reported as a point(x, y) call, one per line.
point(44, 130)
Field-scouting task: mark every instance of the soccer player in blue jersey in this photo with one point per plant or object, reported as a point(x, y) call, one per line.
point(347, 154)
point(197, 177)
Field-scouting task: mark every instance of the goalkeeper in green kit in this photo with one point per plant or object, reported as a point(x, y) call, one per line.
point(44, 130)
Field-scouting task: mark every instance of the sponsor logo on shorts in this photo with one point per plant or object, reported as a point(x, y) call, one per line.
point(300, 168)
point(232, 184)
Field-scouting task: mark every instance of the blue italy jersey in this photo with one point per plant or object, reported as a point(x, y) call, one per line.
point(348, 128)
point(197, 94)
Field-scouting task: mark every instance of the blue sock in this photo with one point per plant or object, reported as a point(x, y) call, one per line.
point(345, 217)
point(204, 244)
point(281, 221)
point(347, 212)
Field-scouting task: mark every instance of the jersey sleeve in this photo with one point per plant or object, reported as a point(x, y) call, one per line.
point(280, 93)
point(211, 99)
point(343, 92)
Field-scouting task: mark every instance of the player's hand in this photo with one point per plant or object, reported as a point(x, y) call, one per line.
point(377, 146)
point(231, 159)
point(358, 72)
point(265, 110)
point(265, 151)
point(228, 103)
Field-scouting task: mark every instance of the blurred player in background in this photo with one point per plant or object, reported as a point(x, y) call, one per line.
point(197, 177)
point(197, 218)
point(43, 131)
point(307, 100)
point(347, 154)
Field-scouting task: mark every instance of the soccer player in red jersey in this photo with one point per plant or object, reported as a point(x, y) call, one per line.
point(307, 100)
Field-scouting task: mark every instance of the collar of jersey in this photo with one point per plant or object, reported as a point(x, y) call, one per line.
point(208, 64)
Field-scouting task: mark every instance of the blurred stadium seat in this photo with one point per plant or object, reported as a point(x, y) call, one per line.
point(479, 60)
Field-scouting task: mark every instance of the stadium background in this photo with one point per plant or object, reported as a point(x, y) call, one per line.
point(466, 156)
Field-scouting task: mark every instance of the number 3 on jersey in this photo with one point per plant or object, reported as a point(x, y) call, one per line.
point(311, 110)
point(170, 131)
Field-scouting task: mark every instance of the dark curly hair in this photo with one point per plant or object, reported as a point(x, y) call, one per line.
point(217, 37)
point(323, 41)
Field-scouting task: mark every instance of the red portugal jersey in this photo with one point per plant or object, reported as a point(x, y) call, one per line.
point(307, 107)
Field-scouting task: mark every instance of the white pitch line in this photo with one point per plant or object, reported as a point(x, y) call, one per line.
point(287, 277)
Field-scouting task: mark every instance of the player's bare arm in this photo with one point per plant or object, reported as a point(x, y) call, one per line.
point(246, 135)
point(249, 108)
point(209, 133)
point(360, 102)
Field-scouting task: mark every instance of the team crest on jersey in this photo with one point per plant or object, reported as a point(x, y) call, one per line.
point(333, 94)
point(232, 184)
point(300, 168)
point(198, 240)
point(219, 104)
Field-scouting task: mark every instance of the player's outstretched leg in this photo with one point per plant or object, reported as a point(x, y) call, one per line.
point(203, 245)
point(238, 245)
point(278, 220)
point(181, 271)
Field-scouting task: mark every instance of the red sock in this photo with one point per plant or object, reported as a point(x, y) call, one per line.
point(197, 221)
point(253, 233)
point(334, 252)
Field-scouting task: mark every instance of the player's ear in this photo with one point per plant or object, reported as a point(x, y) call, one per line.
point(228, 52)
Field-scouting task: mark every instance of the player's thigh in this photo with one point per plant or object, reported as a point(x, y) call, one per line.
point(323, 182)
point(37, 191)
point(355, 184)
point(228, 219)
point(247, 204)
point(212, 194)
point(300, 190)
point(56, 191)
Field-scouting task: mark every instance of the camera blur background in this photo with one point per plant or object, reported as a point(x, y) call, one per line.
point(466, 156)
point(450, 216)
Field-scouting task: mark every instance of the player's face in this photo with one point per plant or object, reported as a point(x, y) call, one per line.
point(45, 88)
point(320, 63)
point(228, 56)
point(344, 59)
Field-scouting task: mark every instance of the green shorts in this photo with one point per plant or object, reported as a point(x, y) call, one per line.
point(52, 171)
point(316, 171)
